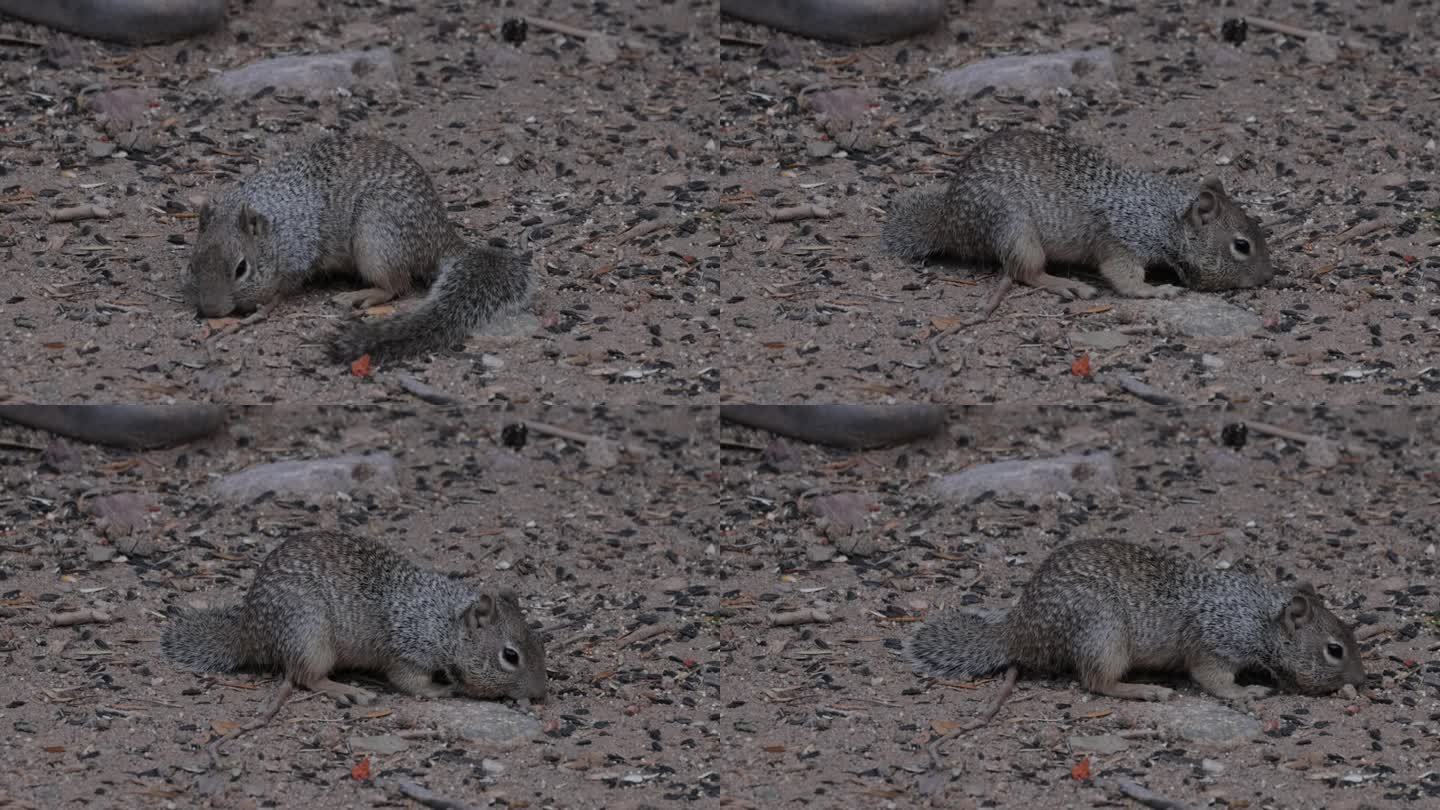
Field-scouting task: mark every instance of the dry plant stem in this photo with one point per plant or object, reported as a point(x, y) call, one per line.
point(1282, 433)
point(1281, 28)
point(560, 28)
point(646, 633)
point(796, 617)
point(993, 707)
point(420, 795)
point(424, 392)
point(644, 229)
point(277, 700)
point(1364, 229)
point(1144, 796)
point(79, 212)
point(799, 212)
point(561, 433)
point(76, 617)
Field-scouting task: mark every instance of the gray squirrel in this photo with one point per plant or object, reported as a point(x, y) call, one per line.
point(1104, 608)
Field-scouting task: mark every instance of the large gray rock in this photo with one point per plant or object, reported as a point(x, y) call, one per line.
point(1203, 720)
point(312, 76)
point(854, 21)
point(1029, 75)
point(312, 478)
point(481, 720)
point(1203, 316)
point(1030, 477)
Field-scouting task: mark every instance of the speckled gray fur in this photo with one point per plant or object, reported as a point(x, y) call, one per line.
point(1020, 198)
point(354, 205)
point(328, 601)
point(1102, 608)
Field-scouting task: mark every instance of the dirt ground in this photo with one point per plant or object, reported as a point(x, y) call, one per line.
point(816, 313)
point(657, 570)
point(828, 715)
point(95, 716)
point(515, 137)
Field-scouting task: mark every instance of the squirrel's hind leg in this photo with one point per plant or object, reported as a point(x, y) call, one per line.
point(1218, 678)
point(1023, 257)
point(389, 258)
point(1104, 661)
point(414, 680)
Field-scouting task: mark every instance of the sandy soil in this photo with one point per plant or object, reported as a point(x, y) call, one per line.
point(818, 314)
point(828, 715)
point(95, 716)
point(514, 137)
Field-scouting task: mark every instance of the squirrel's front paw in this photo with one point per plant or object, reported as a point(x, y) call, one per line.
point(1256, 692)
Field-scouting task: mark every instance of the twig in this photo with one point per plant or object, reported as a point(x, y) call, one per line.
point(5, 444)
point(1283, 433)
point(6, 39)
point(561, 28)
point(645, 228)
point(79, 212)
point(799, 212)
point(423, 391)
point(415, 793)
point(646, 633)
point(993, 707)
point(1144, 796)
point(795, 617)
point(1139, 390)
point(76, 617)
point(561, 433)
point(1364, 229)
point(1263, 24)
point(272, 708)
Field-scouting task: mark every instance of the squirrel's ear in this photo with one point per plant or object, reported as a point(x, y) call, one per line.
point(1296, 613)
point(253, 222)
point(1204, 207)
point(1305, 587)
point(480, 611)
point(1212, 183)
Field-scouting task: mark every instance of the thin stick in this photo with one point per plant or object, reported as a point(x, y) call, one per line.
point(1146, 797)
point(76, 617)
point(561, 28)
point(272, 708)
point(795, 617)
point(561, 433)
point(79, 212)
point(1364, 229)
point(1265, 429)
point(423, 391)
point(799, 212)
point(646, 633)
point(644, 229)
point(993, 707)
point(1281, 28)
point(414, 792)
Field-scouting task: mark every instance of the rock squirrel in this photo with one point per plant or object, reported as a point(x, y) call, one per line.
point(1022, 199)
point(1102, 608)
point(329, 601)
point(351, 204)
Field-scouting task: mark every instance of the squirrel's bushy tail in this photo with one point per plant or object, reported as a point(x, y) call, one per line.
point(471, 288)
point(960, 644)
point(208, 640)
point(915, 224)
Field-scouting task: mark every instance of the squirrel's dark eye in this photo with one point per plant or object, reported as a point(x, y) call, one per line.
point(1335, 651)
point(1242, 246)
point(511, 656)
point(242, 269)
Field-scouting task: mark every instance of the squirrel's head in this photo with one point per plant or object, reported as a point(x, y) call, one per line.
point(1226, 247)
point(1317, 653)
point(230, 262)
point(499, 655)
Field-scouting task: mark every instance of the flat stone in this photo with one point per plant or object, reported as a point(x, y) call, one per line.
point(121, 514)
point(317, 75)
point(1203, 720)
point(1099, 744)
point(1029, 477)
point(842, 513)
point(1204, 316)
point(122, 105)
point(1029, 75)
point(481, 720)
point(1102, 339)
point(311, 478)
point(380, 744)
point(852, 21)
